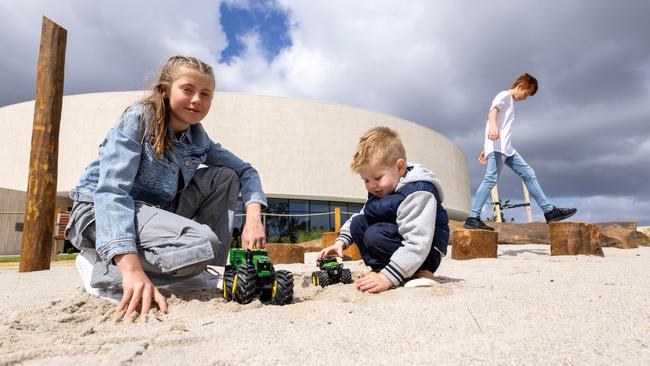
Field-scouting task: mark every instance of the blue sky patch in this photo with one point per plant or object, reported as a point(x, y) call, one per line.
point(270, 22)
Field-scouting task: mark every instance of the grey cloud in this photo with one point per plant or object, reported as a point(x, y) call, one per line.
point(111, 46)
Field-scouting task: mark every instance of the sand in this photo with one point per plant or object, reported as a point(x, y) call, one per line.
point(525, 307)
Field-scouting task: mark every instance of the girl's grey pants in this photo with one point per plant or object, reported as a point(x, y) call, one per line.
point(174, 243)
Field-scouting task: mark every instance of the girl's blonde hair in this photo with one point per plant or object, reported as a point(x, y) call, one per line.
point(157, 103)
point(380, 145)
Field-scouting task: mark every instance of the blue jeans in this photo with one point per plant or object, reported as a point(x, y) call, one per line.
point(495, 162)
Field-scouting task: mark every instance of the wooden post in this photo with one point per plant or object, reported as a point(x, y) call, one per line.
point(529, 211)
point(337, 219)
point(41, 188)
point(496, 204)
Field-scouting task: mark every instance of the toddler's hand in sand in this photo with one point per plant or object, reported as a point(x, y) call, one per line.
point(334, 248)
point(137, 287)
point(373, 282)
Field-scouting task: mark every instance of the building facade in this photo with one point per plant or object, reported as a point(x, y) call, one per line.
point(302, 150)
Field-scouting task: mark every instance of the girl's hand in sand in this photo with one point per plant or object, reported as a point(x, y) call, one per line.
point(137, 287)
point(337, 248)
point(253, 235)
point(482, 159)
point(373, 282)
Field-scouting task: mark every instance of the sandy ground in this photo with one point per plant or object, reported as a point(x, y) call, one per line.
point(524, 307)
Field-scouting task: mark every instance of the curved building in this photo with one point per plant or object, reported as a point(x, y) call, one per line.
point(302, 150)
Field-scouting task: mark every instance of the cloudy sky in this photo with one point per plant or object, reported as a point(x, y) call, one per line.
point(438, 63)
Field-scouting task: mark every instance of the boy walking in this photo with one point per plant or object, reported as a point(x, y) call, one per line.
point(497, 150)
point(402, 231)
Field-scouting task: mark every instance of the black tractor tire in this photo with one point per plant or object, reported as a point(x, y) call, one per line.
point(315, 278)
point(324, 278)
point(265, 295)
point(282, 288)
point(245, 283)
point(346, 276)
point(228, 278)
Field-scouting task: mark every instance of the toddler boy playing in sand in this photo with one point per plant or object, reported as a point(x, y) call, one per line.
point(402, 230)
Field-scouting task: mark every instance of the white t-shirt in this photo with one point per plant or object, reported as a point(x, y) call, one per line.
point(506, 116)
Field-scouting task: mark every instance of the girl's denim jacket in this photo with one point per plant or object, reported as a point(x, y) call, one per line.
point(127, 170)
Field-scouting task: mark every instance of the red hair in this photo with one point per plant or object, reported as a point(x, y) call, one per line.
point(528, 82)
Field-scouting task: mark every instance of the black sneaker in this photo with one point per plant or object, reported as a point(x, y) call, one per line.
point(476, 223)
point(559, 214)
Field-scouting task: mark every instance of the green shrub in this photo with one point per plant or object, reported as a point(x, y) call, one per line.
point(309, 235)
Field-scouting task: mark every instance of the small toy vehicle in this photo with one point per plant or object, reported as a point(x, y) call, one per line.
point(251, 273)
point(331, 272)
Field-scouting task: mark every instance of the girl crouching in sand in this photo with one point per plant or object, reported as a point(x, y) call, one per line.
point(144, 214)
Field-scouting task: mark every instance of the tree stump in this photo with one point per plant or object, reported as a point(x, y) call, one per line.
point(621, 234)
point(328, 238)
point(573, 238)
point(470, 244)
point(286, 253)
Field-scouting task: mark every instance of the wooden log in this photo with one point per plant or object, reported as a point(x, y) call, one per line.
point(36, 244)
point(642, 239)
point(470, 244)
point(621, 234)
point(573, 238)
point(286, 253)
point(328, 238)
point(312, 246)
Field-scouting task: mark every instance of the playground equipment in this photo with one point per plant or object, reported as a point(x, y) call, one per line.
point(499, 207)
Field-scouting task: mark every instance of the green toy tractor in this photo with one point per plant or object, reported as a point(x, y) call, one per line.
point(251, 273)
point(331, 272)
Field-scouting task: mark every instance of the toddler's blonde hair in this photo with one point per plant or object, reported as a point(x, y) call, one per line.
point(379, 145)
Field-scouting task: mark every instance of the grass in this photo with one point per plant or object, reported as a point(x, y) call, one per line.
point(304, 236)
point(16, 258)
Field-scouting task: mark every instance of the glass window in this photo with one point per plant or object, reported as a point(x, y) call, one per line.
point(238, 224)
point(298, 206)
point(342, 205)
point(318, 206)
point(297, 227)
point(320, 223)
point(292, 229)
point(355, 207)
point(276, 228)
point(278, 205)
